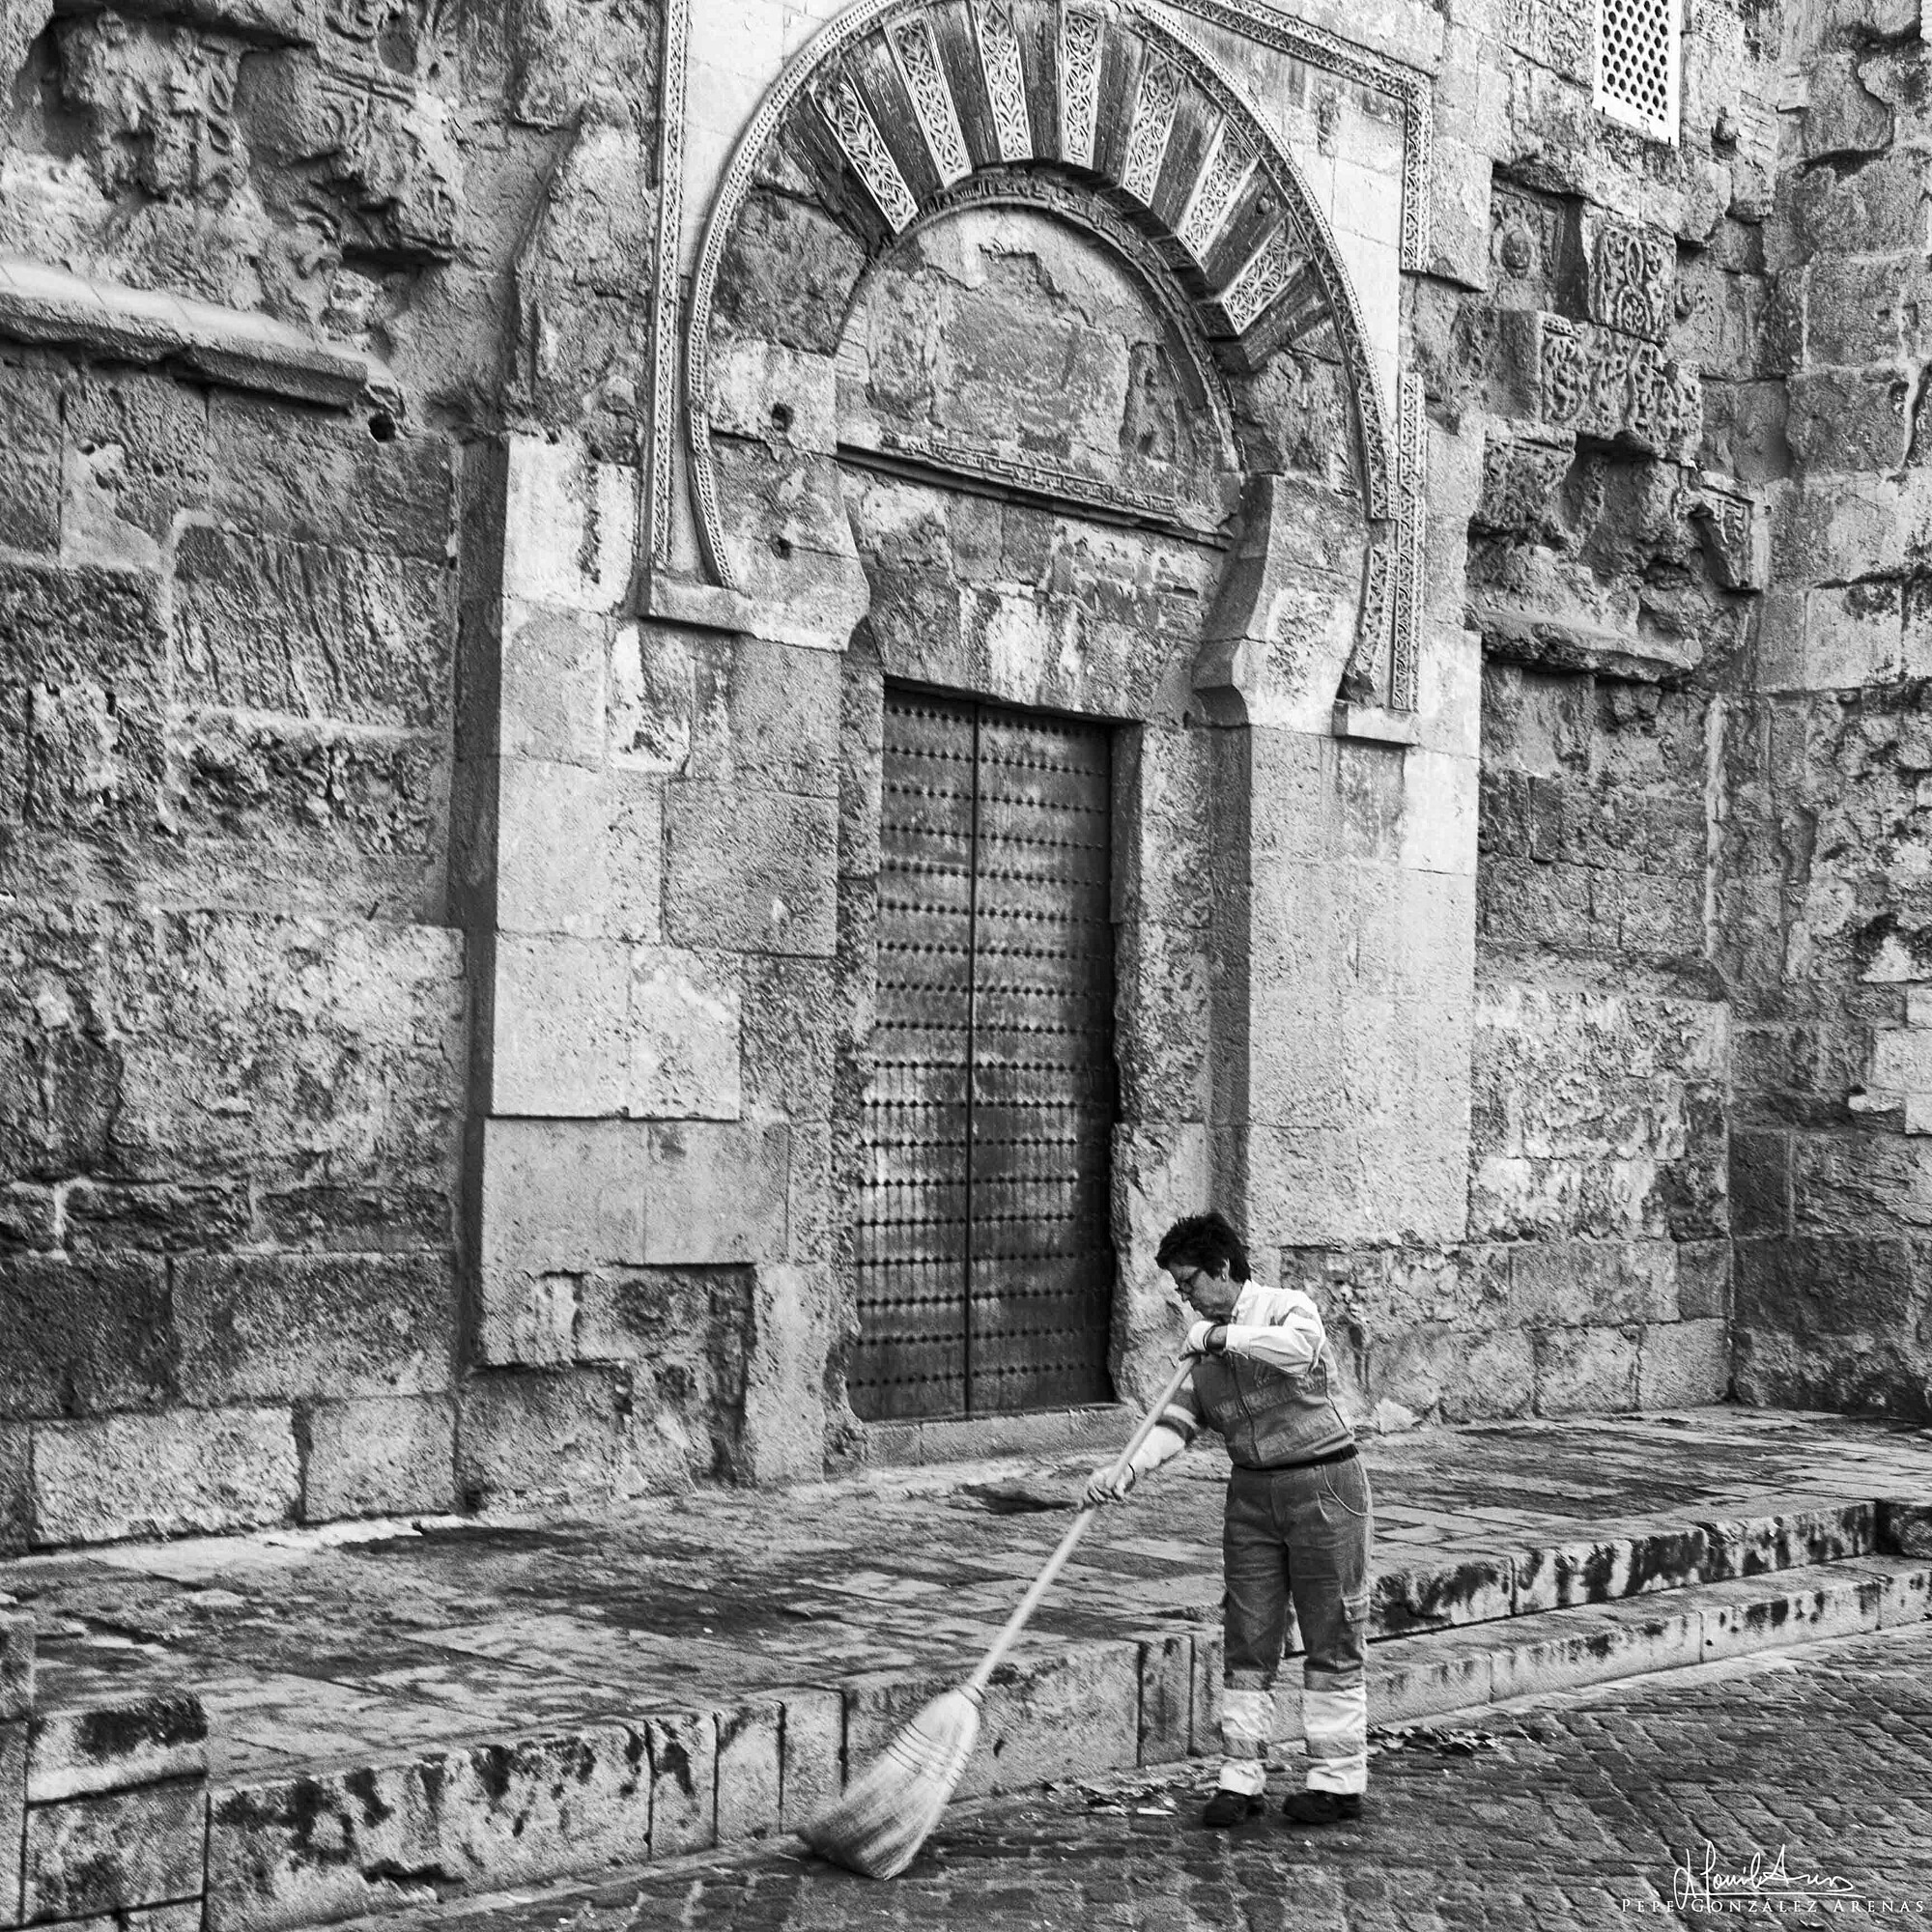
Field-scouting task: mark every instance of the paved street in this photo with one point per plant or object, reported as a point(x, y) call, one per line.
point(1571, 1812)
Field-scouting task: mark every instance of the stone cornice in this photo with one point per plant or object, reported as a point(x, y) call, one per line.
point(39, 303)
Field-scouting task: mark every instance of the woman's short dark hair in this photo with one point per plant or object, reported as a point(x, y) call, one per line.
point(1203, 1241)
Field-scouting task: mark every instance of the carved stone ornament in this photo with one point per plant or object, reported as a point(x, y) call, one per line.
point(1327, 53)
point(1526, 237)
point(1079, 83)
point(1630, 275)
point(1522, 481)
point(1006, 79)
point(1153, 119)
point(665, 315)
point(918, 57)
point(1411, 590)
point(857, 135)
point(1270, 270)
point(1603, 384)
point(1047, 482)
point(1558, 34)
point(1563, 374)
point(161, 106)
point(1370, 660)
point(1734, 532)
point(1230, 167)
point(1288, 284)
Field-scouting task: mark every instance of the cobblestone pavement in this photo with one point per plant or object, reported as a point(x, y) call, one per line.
point(1575, 1816)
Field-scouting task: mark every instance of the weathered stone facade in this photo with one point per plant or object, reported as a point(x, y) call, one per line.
point(470, 478)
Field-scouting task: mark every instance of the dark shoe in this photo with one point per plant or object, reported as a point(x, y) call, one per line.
point(1321, 1807)
point(1231, 1808)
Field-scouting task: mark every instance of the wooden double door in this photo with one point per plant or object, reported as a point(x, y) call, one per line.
point(984, 1259)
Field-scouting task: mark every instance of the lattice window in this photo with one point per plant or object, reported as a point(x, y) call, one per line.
point(1637, 63)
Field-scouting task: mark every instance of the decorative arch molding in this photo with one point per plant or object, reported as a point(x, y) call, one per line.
point(897, 105)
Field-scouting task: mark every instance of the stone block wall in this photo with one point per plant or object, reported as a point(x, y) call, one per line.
point(231, 1051)
point(435, 840)
point(1599, 1140)
point(647, 841)
point(1822, 910)
point(234, 985)
point(1594, 333)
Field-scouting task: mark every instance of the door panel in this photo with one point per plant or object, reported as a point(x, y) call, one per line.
point(986, 1268)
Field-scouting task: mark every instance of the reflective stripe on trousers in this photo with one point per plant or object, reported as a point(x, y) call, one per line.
point(1247, 1723)
point(1336, 1726)
point(1297, 1536)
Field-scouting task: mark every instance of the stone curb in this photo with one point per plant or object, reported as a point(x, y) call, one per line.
point(1560, 1650)
point(346, 1841)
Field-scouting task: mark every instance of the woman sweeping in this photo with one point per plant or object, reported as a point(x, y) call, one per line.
point(1297, 1521)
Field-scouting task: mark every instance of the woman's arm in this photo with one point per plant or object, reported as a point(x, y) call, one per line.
point(1286, 1333)
point(1162, 1446)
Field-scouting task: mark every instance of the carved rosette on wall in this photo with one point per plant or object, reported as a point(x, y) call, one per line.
point(899, 103)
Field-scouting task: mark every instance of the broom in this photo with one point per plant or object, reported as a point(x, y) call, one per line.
point(878, 1826)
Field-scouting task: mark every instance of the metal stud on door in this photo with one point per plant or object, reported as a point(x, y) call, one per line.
point(986, 1268)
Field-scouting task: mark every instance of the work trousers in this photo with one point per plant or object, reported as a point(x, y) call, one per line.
point(1297, 1536)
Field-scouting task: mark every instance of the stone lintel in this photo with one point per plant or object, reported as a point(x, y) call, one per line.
point(50, 306)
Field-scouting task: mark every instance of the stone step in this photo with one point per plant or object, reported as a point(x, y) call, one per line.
point(376, 1829)
point(1444, 1590)
point(1559, 1650)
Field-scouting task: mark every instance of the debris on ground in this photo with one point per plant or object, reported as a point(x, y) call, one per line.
point(1430, 1738)
point(1142, 1797)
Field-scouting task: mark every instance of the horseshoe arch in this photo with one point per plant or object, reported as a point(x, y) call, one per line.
point(900, 109)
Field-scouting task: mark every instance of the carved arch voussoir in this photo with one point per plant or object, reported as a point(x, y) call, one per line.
point(899, 101)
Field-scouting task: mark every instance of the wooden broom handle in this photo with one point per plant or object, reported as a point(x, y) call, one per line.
point(1075, 1531)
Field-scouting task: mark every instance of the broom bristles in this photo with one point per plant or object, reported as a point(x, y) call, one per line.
point(878, 1826)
